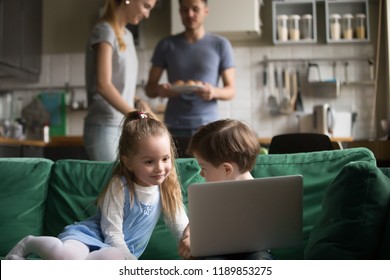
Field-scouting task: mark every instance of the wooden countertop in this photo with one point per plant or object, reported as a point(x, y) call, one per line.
point(57, 141)
point(380, 148)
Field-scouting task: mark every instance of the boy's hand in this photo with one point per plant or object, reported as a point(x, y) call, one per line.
point(184, 244)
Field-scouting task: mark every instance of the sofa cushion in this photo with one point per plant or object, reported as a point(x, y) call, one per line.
point(355, 210)
point(74, 188)
point(384, 252)
point(318, 170)
point(23, 191)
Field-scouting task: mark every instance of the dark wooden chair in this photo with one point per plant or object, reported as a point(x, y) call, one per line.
point(299, 143)
point(181, 146)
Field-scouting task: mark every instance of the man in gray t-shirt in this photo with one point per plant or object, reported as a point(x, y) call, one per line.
point(192, 55)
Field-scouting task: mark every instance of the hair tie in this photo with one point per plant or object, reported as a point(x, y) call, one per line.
point(142, 115)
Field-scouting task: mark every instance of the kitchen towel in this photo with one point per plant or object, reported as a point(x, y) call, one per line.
point(54, 102)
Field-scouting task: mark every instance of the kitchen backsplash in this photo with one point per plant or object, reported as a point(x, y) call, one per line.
point(250, 104)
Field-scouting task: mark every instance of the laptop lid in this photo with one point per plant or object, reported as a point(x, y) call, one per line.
point(245, 216)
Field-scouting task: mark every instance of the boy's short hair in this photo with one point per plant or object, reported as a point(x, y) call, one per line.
point(226, 140)
point(205, 1)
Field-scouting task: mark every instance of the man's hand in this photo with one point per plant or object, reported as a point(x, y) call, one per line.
point(207, 92)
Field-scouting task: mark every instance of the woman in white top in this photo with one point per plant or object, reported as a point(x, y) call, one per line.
point(111, 74)
point(144, 185)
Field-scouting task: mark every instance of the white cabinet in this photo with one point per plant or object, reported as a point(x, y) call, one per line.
point(231, 18)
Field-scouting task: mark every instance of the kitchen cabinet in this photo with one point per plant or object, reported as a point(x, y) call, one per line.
point(222, 18)
point(343, 10)
point(284, 13)
point(20, 39)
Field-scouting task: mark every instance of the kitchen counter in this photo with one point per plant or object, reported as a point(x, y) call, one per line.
point(380, 148)
point(58, 141)
point(66, 147)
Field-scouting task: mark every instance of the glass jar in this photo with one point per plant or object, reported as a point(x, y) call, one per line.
point(307, 27)
point(360, 26)
point(293, 25)
point(335, 26)
point(282, 27)
point(347, 29)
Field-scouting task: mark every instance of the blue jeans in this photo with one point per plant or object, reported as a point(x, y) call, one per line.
point(101, 141)
point(182, 132)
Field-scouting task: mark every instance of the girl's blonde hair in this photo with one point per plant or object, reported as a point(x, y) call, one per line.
point(110, 16)
point(226, 141)
point(138, 126)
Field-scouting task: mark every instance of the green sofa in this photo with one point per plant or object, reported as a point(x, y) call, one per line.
point(346, 201)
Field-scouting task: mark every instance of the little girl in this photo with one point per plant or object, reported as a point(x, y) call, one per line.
point(143, 185)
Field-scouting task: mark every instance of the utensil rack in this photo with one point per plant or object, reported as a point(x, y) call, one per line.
point(343, 60)
point(266, 60)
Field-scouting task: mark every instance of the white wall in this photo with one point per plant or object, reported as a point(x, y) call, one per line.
point(250, 102)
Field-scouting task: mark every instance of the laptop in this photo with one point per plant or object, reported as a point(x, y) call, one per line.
point(245, 216)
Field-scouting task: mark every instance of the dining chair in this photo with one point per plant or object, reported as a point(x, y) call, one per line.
point(181, 144)
point(299, 143)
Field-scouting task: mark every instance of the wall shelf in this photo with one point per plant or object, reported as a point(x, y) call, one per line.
point(359, 83)
point(343, 7)
point(307, 60)
point(339, 7)
point(289, 8)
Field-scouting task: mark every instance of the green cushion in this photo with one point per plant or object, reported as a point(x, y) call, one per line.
point(355, 209)
point(23, 191)
point(384, 252)
point(386, 171)
point(318, 170)
point(74, 188)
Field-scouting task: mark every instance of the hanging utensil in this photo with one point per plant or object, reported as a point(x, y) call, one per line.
point(346, 72)
point(299, 102)
point(334, 69)
point(266, 94)
point(313, 72)
point(265, 85)
point(294, 95)
point(273, 105)
point(285, 103)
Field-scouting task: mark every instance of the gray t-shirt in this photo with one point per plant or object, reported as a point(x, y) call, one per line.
point(124, 74)
point(203, 60)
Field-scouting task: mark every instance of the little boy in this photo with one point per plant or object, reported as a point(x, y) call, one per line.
point(225, 150)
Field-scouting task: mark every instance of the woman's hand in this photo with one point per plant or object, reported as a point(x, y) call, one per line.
point(142, 106)
point(164, 90)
